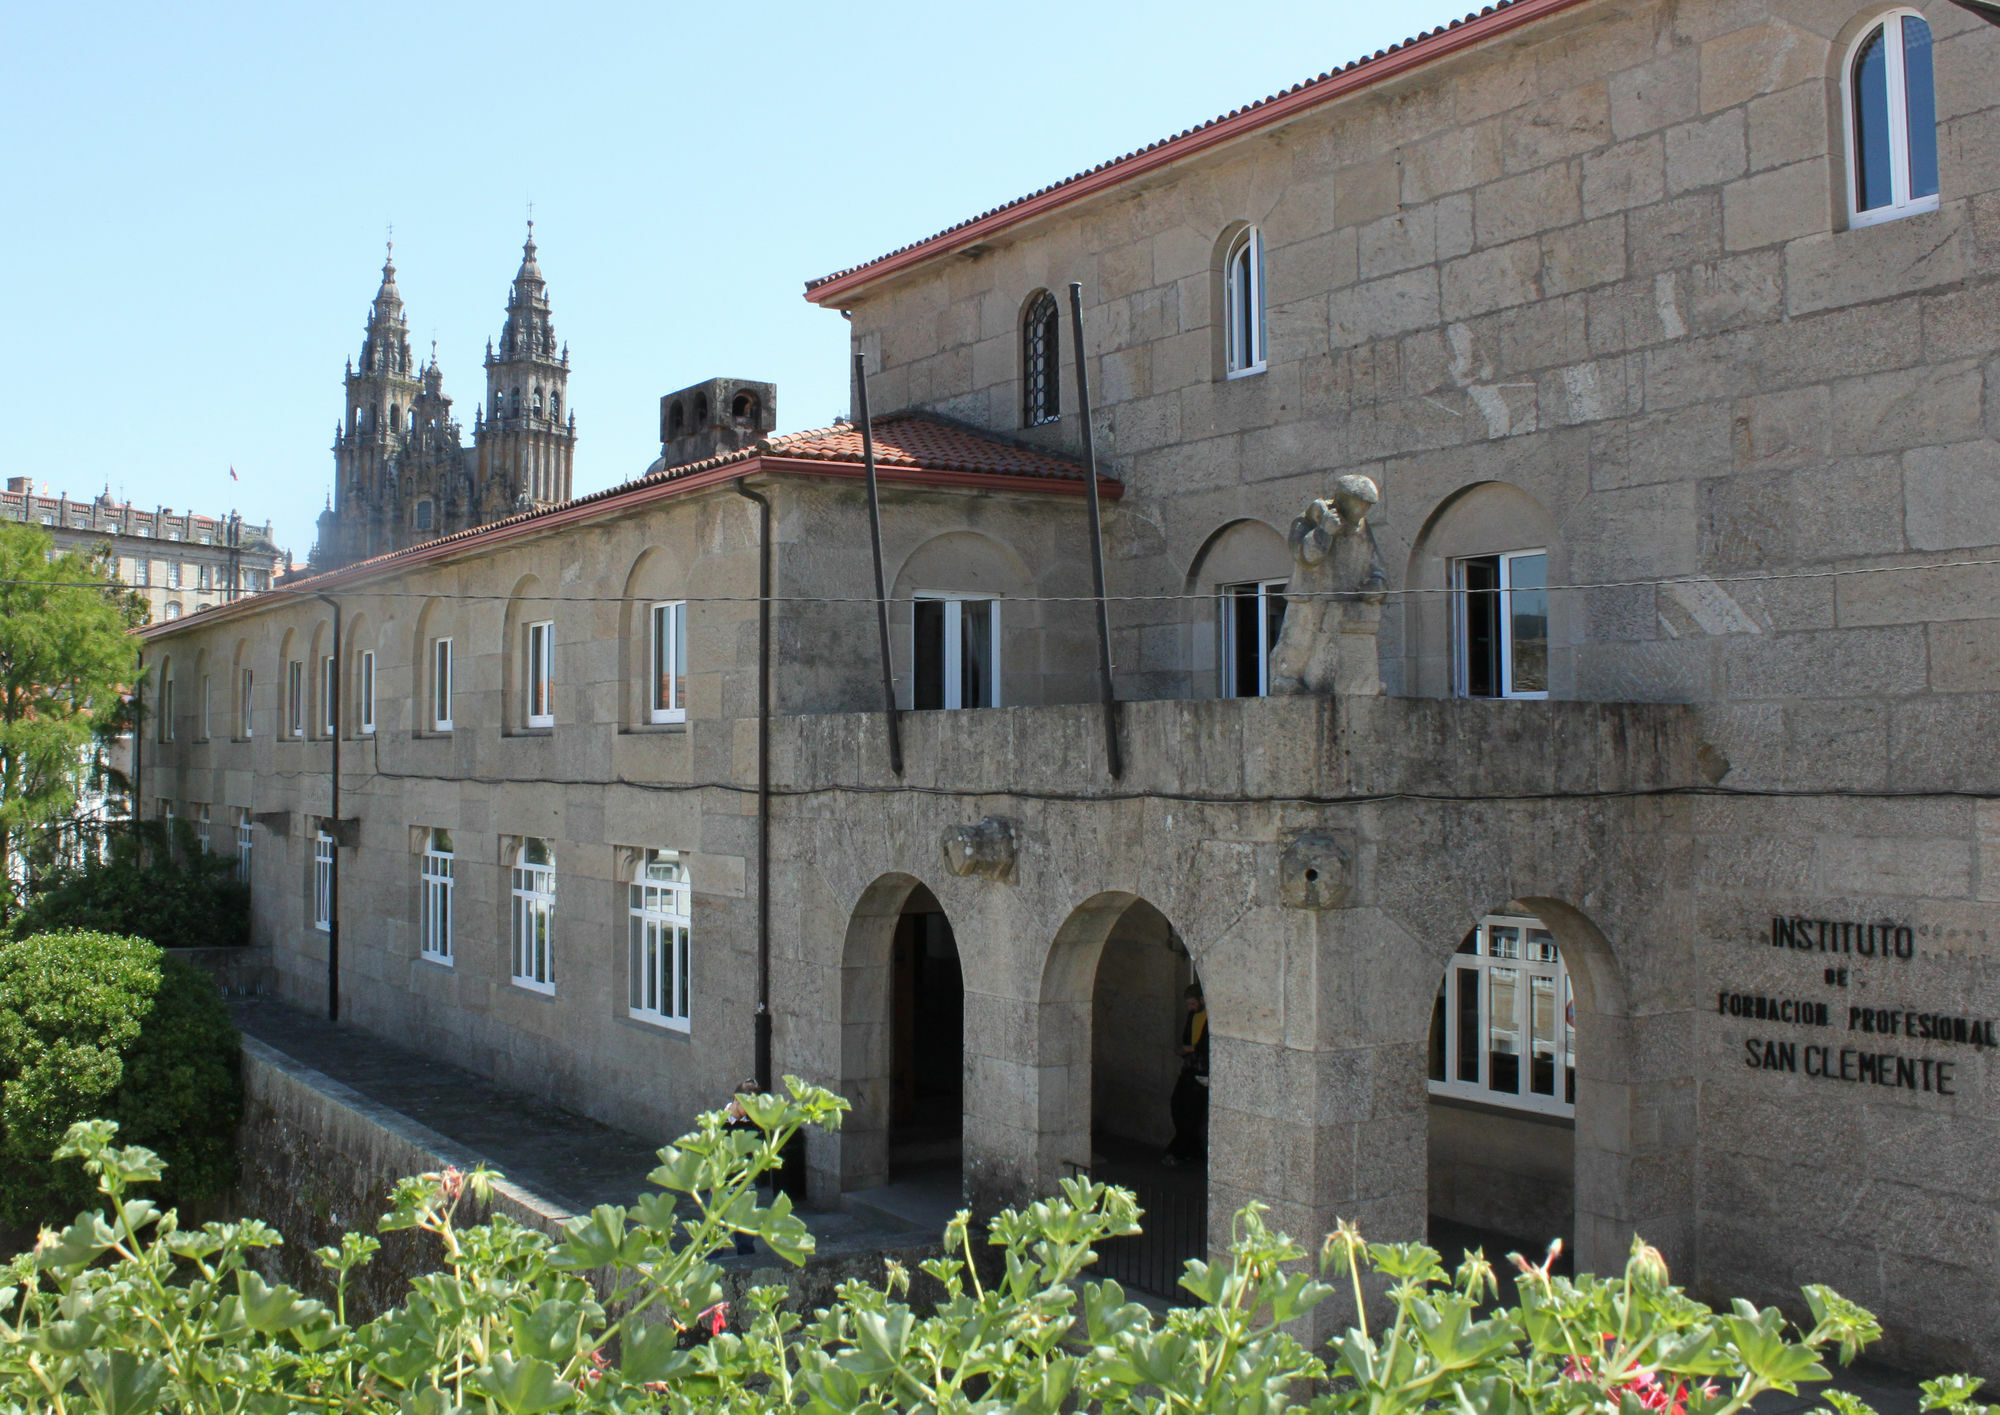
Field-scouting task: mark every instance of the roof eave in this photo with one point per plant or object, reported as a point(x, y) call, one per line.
point(832, 290)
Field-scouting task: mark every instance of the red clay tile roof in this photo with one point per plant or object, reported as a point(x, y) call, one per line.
point(914, 444)
point(1383, 63)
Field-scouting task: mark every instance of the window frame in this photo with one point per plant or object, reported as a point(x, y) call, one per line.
point(441, 684)
point(659, 917)
point(1461, 626)
point(246, 701)
point(532, 909)
point(672, 687)
point(167, 700)
point(1896, 74)
point(1041, 361)
point(329, 695)
point(295, 692)
point(1228, 597)
point(539, 673)
point(1480, 962)
point(207, 713)
point(198, 815)
point(953, 648)
point(322, 881)
point(1238, 361)
point(436, 868)
point(246, 843)
point(364, 692)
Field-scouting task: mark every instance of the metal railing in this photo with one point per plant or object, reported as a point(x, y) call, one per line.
point(1173, 1227)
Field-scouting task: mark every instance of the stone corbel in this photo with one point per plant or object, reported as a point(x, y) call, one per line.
point(1315, 870)
point(986, 849)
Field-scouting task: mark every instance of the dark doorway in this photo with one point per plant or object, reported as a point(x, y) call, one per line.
point(927, 1042)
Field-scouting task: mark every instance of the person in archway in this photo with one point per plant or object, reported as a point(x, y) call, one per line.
point(1189, 1106)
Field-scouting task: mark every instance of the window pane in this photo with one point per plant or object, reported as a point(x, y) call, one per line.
point(1528, 622)
point(1244, 676)
point(1542, 1035)
point(1922, 100)
point(1480, 605)
point(1569, 1041)
point(1871, 124)
point(1503, 1039)
point(975, 638)
point(1468, 1023)
point(1274, 625)
point(927, 676)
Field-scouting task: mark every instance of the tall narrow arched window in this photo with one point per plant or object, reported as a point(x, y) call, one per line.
point(514, 403)
point(1891, 102)
point(1041, 362)
point(555, 406)
point(660, 920)
point(534, 915)
point(538, 400)
point(1243, 304)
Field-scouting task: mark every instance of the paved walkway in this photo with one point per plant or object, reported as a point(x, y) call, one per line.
point(573, 1162)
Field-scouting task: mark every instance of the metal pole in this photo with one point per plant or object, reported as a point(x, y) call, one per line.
point(1114, 758)
point(333, 868)
point(881, 590)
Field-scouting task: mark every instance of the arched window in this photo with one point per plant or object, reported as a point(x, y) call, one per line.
point(1041, 362)
point(555, 406)
point(173, 611)
point(434, 912)
point(424, 514)
point(534, 915)
point(1504, 1031)
point(514, 403)
point(395, 418)
point(538, 400)
point(676, 421)
point(167, 692)
point(1243, 304)
point(745, 407)
point(661, 915)
point(1891, 100)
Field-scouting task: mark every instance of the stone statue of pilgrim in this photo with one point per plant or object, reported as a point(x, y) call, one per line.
point(1333, 603)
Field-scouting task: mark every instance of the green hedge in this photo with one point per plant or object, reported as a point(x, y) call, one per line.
point(94, 1024)
point(172, 892)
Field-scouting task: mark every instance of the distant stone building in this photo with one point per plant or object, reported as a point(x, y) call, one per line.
point(402, 471)
point(180, 563)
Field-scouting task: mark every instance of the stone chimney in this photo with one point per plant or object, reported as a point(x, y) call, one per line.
point(721, 415)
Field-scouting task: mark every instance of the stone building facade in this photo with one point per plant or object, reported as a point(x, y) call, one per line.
point(178, 563)
point(1653, 892)
point(402, 471)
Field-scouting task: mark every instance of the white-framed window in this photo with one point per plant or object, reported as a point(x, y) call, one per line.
point(667, 654)
point(1890, 97)
point(244, 700)
point(1506, 1022)
point(441, 685)
point(955, 651)
point(434, 905)
point(1041, 362)
point(1500, 625)
point(245, 841)
point(204, 577)
point(295, 698)
point(198, 815)
point(534, 896)
point(364, 691)
point(1243, 304)
point(173, 574)
point(541, 650)
point(173, 611)
point(329, 695)
point(142, 573)
point(661, 908)
point(167, 701)
point(1252, 616)
point(322, 881)
point(207, 719)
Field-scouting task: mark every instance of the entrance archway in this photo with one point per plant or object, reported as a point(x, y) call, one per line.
point(1121, 1100)
point(901, 1036)
point(1525, 1090)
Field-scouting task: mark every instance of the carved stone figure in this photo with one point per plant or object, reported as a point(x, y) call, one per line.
point(1333, 603)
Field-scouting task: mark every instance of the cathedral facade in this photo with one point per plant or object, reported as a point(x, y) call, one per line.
point(403, 473)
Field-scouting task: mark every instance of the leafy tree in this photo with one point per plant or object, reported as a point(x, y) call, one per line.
point(165, 889)
point(64, 660)
point(127, 1312)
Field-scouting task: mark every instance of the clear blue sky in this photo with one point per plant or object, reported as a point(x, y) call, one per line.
point(196, 196)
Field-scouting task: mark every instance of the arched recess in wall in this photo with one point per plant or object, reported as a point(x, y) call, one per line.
point(1243, 567)
point(525, 605)
point(652, 692)
point(291, 649)
point(321, 647)
point(958, 621)
point(1235, 303)
point(242, 703)
point(1531, 1095)
point(902, 1034)
point(361, 631)
point(1474, 643)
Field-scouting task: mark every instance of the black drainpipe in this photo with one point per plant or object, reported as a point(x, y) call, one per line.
point(763, 1019)
point(332, 829)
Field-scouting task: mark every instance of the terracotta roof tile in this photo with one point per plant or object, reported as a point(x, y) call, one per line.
point(1426, 40)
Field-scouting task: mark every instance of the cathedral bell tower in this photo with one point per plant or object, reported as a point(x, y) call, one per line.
point(526, 434)
point(382, 394)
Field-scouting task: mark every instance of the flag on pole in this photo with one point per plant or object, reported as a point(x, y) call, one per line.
point(232, 474)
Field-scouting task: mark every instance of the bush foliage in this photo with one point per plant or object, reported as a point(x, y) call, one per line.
point(127, 1313)
point(166, 889)
point(95, 1024)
